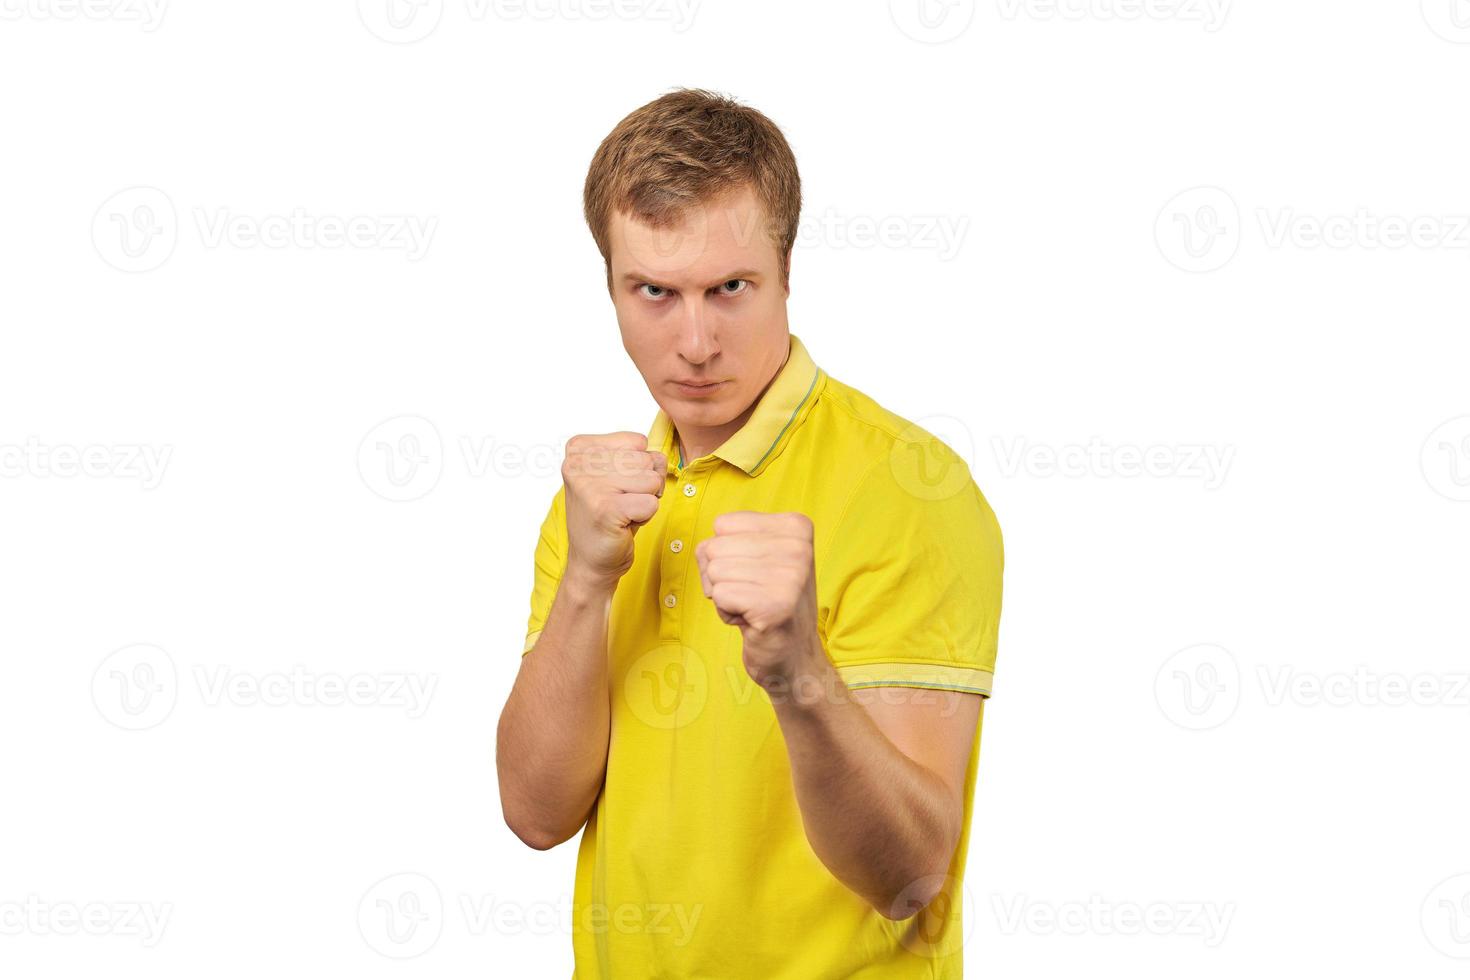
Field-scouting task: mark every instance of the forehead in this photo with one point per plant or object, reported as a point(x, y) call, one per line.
point(707, 241)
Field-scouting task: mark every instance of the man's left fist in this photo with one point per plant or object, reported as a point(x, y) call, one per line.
point(758, 570)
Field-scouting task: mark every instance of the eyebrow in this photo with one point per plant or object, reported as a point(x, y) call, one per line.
point(737, 274)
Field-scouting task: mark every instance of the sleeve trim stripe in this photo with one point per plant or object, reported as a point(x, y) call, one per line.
point(902, 674)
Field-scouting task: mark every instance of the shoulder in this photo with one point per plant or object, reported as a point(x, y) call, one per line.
point(876, 480)
point(887, 454)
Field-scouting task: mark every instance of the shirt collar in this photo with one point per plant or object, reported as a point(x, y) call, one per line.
point(774, 414)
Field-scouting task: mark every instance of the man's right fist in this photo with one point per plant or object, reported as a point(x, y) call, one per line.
point(613, 485)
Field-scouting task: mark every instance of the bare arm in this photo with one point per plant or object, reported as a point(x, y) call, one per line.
point(551, 742)
point(880, 784)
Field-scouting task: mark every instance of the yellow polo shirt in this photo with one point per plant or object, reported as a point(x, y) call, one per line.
point(694, 863)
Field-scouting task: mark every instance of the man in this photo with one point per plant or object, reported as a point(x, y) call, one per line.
point(760, 635)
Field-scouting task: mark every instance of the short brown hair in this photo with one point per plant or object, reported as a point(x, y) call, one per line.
point(690, 147)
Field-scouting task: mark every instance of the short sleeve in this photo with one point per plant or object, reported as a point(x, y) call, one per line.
point(915, 584)
point(550, 563)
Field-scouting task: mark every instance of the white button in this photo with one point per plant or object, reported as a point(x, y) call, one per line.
point(688, 489)
point(669, 599)
point(676, 546)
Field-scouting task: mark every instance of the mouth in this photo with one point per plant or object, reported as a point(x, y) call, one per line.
point(697, 389)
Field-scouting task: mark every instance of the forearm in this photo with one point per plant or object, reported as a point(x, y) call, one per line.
point(879, 821)
point(551, 743)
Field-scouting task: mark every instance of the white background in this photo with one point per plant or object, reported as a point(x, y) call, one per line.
point(1230, 693)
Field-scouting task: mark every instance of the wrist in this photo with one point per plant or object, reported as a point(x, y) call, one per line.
point(584, 584)
point(805, 681)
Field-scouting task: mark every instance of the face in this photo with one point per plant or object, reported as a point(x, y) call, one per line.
point(703, 303)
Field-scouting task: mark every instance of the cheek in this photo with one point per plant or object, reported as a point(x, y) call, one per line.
point(632, 322)
point(759, 313)
point(643, 341)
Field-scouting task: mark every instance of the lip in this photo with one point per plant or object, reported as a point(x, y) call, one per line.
point(699, 389)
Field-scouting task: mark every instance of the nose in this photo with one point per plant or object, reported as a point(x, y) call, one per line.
point(697, 341)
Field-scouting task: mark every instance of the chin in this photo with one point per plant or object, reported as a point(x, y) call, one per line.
point(706, 413)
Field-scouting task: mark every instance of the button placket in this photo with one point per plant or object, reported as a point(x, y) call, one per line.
point(674, 567)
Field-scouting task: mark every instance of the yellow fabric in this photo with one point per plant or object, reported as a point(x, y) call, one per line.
point(694, 862)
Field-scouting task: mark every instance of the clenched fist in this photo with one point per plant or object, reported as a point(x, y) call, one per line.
point(759, 571)
point(613, 486)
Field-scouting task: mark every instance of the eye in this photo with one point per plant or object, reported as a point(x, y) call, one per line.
point(658, 291)
point(740, 285)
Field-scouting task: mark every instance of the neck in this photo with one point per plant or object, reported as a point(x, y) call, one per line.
point(695, 441)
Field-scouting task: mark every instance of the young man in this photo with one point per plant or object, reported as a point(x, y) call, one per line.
point(760, 635)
